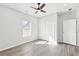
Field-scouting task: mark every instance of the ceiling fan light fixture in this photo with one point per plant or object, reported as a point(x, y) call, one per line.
point(38, 10)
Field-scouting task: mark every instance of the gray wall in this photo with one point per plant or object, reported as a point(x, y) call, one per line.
point(11, 28)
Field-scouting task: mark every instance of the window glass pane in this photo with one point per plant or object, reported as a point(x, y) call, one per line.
point(27, 28)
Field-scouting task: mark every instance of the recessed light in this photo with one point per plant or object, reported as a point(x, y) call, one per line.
point(65, 4)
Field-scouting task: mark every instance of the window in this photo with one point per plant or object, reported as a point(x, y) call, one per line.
point(27, 28)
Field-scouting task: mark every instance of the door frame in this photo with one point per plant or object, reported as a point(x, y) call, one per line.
point(76, 32)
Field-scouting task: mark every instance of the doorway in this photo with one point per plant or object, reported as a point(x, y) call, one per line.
point(69, 31)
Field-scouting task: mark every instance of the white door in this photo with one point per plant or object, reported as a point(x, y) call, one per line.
point(69, 31)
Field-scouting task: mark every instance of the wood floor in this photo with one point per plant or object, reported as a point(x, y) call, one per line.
point(33, 49)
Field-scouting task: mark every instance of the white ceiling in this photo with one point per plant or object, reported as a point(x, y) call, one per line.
point(50, 8)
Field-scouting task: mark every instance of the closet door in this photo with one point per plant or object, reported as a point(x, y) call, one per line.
point(69, 31)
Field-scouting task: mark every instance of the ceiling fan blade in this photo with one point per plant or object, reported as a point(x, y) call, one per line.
point(43, 11)
point(41, 7)
point(34, 8)
point(36, 12)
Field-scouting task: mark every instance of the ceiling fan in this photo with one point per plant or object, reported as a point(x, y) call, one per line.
point(39, 8)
